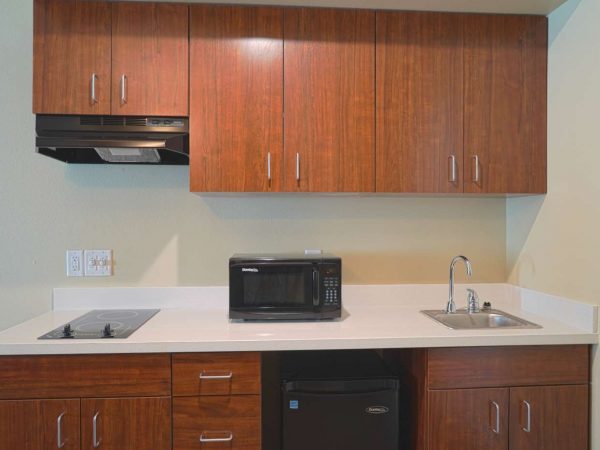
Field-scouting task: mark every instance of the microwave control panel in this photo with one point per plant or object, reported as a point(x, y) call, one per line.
point(332, 286)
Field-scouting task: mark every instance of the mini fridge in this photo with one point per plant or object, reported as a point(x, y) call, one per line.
point(340, 401)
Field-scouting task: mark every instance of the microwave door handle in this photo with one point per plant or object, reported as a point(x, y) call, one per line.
point(315, 287)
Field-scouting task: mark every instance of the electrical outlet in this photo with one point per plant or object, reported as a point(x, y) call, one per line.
point(74, 263)
point(98, 263)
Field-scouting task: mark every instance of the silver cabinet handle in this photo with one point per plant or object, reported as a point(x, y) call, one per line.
point(496, 426)
point(123, 89)
point(96, 441)
point(297, 166)
point(476, 172)
point(527, 428)
point(453, 169)
point(269, 166)
point(204, 376)
point(229, 437)
point(59, 440)
point(93, 89)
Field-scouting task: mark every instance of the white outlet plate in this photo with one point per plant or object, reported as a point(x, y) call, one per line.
point(98, 263)
point(74, 263)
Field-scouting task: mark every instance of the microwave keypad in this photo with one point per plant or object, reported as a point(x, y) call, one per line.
point(332, 290)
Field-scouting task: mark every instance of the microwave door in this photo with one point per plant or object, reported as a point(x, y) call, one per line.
point(266, 286)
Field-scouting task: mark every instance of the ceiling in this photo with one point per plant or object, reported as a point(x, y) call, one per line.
point(543, 7)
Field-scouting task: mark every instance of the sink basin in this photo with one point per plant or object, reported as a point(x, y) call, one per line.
point(493, 318)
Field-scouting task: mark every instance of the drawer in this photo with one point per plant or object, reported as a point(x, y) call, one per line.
point(231, 422)
point(216, 373)
point(473, 367)
point(56, 376)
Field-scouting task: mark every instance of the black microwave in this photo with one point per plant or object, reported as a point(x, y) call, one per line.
point(285, 287)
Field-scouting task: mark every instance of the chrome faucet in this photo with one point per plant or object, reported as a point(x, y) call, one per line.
point(451, 306)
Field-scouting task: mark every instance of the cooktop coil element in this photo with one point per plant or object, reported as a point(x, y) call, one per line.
point(103, 324)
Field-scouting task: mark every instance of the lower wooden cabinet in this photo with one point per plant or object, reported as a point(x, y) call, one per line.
point(39, 424)
point(468, 419)
point(126, 423)
point(231, 422)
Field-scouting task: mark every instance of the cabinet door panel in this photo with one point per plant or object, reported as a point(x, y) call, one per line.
point(236, 98)
point(39, 424)
point(127, 423)
point(71, 43)
point(150, 50)
point(505, 104)
point(329, 72)
point(549, 418)
point(468, 419)
point(419, 102)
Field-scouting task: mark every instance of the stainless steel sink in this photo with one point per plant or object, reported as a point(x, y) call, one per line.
point(493, 318)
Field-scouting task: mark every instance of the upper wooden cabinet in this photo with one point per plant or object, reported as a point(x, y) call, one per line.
point(93, 57)
point(71, 57)
point(461, 103)
point(236, 93)
point(505, 103)
point(419, 102)
point(329, 86)
point(150, 59)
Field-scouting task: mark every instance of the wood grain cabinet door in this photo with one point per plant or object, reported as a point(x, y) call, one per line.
point(39, 424)
point(71, 57)
point(468, 419)
point(419, 102)
point(236, 94)
point(150, 59)
point(329, 85)
point(549, 418)
point(505, 103)
point(126, 423)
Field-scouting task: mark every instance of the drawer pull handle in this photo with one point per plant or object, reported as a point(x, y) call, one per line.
point(204, 376)
point(228, 438)
point(95, 440)
point(59, 440)
point(496, 424)
point(527, 428)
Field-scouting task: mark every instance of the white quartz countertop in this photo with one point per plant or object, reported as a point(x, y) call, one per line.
point(195, 320)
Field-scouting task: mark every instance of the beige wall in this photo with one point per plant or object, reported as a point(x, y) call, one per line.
point(553, 243)
point(162, 235)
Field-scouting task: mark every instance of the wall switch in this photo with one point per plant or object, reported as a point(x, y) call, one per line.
point(74, 263)
point(98, 263)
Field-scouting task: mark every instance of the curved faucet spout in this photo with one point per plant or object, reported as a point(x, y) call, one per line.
point(451, 306)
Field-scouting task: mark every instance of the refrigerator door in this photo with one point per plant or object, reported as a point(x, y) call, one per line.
point(327, 417)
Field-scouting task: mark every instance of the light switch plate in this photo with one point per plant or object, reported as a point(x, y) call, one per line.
point(98, 263)
point(74, 263)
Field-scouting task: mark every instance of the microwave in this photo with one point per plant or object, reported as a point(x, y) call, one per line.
point(285, 287)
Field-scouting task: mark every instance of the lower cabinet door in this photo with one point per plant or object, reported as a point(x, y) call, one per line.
point(468, 419)
point(231, 422)
point(549, 418)
point(126, 423)
point(39, 424)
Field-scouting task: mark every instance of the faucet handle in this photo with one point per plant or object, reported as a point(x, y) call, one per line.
point(472, 301)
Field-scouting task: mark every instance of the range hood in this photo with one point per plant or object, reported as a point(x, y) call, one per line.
point(113, 139)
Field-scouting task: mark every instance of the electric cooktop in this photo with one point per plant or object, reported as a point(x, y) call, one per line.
point(103, 324)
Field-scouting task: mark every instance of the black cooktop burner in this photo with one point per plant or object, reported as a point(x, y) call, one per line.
point(103, 324)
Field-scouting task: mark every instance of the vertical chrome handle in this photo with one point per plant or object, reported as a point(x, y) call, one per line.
point(93, 89)
point(123, 89)
point(496, 425)
point(297, 166)
point(453, 170)
point(527, 427)
point(269, 166)
point(476, 171)
point(59, 440)
point(229, 437)
point(96, 441)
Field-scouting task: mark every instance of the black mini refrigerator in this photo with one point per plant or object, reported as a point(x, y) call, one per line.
point(340, 400)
